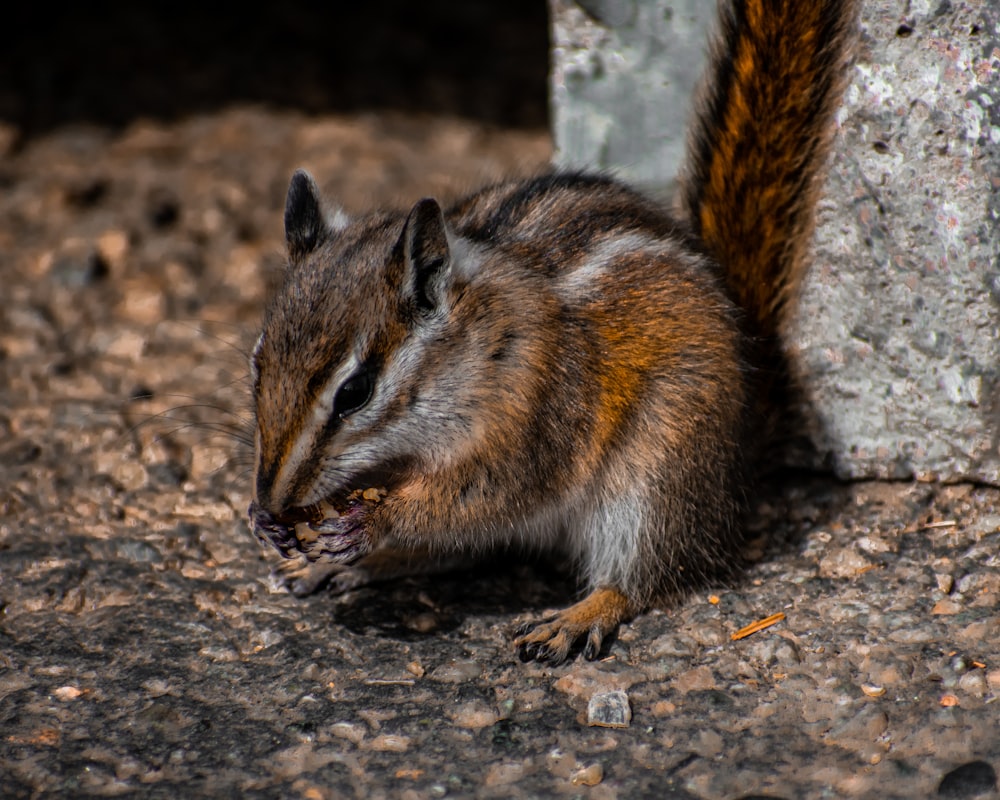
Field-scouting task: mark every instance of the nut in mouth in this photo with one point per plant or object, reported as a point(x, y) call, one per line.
point(325, 531)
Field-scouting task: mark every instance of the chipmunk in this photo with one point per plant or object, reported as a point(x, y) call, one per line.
point(557, 363)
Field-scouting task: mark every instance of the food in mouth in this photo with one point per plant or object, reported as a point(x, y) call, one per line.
point(330, 530)
point(323, 517)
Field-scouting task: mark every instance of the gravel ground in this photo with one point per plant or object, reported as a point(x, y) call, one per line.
point(144, 650)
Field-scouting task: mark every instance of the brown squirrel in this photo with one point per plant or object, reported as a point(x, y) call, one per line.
point(555, 363)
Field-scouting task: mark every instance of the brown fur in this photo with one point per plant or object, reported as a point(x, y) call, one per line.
point(554, 363)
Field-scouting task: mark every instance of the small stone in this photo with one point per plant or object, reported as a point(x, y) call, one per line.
point(866, 725)
point(473, 715)
point(219, 653)
point(427, 622)
point(67, 693)
point(663, 708)
point(587, 680)
point(561, 763)
point(416, 669)
point(457, 672)
point(156, 687)
point(113, 247)
point(505, 773)
point(875, 545)
point(141, 303)
point(673, 645)
point(129, 474)
point(945, 582)
point(207, 460)
point(124, 344)
point(697, 679)
point(844, 562)
point(588, 776)
point(351, 731)
point(390, 743)
point(973, 683)
point(609, 710)
point(708, 744)
point(219, 512)
point(946, 606)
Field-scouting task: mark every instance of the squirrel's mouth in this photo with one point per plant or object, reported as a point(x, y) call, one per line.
point(327, 530)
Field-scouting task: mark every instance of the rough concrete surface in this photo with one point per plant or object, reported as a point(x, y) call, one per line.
point(898, 338)
point(622, 77)
point(144, 651)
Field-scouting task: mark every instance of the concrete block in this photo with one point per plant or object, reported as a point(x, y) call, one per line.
point(897, 338)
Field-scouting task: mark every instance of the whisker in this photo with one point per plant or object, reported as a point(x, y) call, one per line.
point(200, 325)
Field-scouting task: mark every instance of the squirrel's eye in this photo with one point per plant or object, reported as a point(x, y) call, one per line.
point(353, 394)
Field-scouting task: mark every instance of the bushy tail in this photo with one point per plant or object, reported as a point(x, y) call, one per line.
point(759, 141)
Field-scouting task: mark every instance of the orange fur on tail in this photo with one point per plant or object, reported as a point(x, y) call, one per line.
point(759, 142)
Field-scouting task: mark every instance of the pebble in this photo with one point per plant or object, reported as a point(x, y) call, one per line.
point(673, 645)
point(130, 475)
point(974, 683)
point(506, 772)
point(208, 459)
point(387, 742)
point(588, 776)
point(456, 672)
point(142, 303)
point(867, 724)
point(415, 668)
point(772, 651)
point(609, 710)
point(561, 763)
point(843, 562)
point(113, 248)
point(351, 731)
point(693, 680)
point(473, 715)
point(219, 653)
point(585, 680)
point(708, 744)
point(663, 708)
point(946, 606)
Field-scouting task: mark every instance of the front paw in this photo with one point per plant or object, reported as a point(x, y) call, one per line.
point(584, 625)
point(302, 577)
point(269, 530)
point(336, 540)
point(340, 539)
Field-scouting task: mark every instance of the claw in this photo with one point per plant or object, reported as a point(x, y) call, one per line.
point(593, 647)
point(589, 621)
point(270, 531)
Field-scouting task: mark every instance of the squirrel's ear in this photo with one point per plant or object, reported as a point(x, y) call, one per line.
point(425, 246)
point(304, 225)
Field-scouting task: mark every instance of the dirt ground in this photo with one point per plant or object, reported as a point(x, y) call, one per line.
point(144, 649)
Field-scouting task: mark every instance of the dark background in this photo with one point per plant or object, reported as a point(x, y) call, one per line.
point(109, 63)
